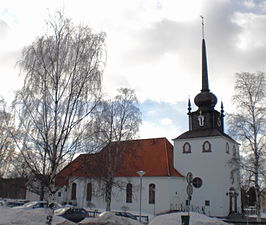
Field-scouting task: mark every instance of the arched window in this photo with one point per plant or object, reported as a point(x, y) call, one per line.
point(206, 147)
point(227, 148)
point(74, 191)
point(186, 148)
point(129, 193)
point(234, 150)
point(152, 194)
point(89, 191)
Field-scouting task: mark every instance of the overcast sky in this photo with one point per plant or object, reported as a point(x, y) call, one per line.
point(153, 46)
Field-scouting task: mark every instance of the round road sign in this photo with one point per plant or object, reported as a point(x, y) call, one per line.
point(189, 189)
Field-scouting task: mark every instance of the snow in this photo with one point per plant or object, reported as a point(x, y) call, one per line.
point(110, 219)
point(12, 216)
point(195, 219)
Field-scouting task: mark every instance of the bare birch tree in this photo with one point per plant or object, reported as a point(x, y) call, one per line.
point(7, 146)
point(248, 125)
point(118, 120)
point(62, 87)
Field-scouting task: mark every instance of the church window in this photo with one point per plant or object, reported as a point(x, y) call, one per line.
point(206, 147)
point(207, 202)
point(227, 148)
point(74, 191)
point(129, 193)
point(89, 192)
point(152, 194)
point(186, 148)
point(201, 120)
point(197, 182)
point(234, 150)
point(59, 194)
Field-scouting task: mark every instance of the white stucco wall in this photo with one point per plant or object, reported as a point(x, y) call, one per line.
point(213, 168)
point(169, 194)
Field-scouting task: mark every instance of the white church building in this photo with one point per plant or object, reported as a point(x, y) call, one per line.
point(205, 152)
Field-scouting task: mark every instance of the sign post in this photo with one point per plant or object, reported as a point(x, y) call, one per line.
point(189, 178)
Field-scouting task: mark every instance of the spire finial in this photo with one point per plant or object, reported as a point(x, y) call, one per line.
point(189, 106)
point(222, 108)
point(202, 26)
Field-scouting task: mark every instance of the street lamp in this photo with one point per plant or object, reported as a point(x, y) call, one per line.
point(140, 173)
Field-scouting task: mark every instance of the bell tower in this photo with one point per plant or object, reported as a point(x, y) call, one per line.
point(207, 152)
point(206, 117)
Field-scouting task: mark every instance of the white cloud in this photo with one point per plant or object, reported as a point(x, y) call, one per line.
point(166, 122)
point(153, 129)
point(153, 46)
point(249, 3)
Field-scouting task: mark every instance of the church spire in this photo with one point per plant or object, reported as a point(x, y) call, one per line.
point(205, 82)
point(205, 100)
point(205, 117)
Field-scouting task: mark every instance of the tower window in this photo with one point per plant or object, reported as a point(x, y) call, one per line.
point(206, 147)
point(207, 202)
point(186, 148)
point(197, 182)
point(227, 148)
point(129, 193)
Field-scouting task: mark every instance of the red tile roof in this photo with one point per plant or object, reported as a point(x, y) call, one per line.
point(154, 156)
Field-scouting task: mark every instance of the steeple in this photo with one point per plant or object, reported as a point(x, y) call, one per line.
point(205, 82)
point(205, 100)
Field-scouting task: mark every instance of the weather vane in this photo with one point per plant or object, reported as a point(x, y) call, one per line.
point(202, 24)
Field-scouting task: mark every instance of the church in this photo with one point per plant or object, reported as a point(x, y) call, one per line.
point(199, 172)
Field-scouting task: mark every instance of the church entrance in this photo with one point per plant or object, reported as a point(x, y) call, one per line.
point(232, 200)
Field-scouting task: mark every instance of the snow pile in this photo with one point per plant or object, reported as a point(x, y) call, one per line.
point(195, 219)
point(10, 216)
point(110, 219)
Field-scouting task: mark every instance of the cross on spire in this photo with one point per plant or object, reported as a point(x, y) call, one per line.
point(202, 26)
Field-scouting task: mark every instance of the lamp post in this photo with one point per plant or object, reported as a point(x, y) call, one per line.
point(140, 173)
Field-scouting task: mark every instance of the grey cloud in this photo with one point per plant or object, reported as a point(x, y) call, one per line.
point(163, 37)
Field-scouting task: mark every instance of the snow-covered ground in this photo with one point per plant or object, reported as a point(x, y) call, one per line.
point(12, 216)
point(195, 219)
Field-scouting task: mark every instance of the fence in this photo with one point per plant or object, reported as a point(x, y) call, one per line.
point(244, 222)
point(144, 219)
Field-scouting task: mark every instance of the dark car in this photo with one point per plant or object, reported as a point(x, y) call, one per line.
point(73, 214)
point(126, 214)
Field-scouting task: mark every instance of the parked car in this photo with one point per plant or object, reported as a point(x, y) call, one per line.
point(14, 204)
point(73, 214)
point(37, 204)
point(126, 214)
point(123, 214)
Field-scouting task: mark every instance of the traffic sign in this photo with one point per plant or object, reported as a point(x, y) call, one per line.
point(189, 189)
point(189, 177)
